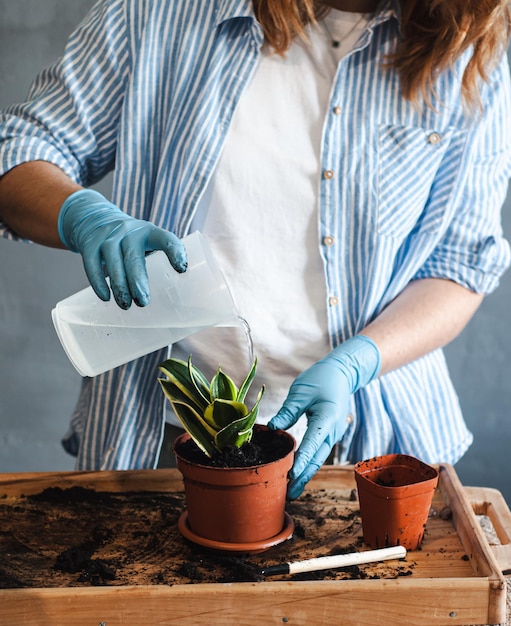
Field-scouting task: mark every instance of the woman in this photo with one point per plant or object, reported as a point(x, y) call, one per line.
point(347, 162)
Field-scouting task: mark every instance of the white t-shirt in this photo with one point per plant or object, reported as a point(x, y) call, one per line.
point(262, 199)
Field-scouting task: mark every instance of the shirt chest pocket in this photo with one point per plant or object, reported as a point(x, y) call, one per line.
point(409, 160)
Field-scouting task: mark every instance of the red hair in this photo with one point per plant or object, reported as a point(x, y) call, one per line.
point(435, 34)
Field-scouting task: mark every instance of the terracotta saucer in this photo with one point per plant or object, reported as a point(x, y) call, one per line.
point(252, 548)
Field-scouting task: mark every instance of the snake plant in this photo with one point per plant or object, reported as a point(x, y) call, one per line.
point(214, 413)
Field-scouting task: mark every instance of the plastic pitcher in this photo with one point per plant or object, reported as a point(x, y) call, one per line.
point(98, 336)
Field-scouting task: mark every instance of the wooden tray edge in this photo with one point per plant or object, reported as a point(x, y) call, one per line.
point(435, 603)
point(474, 542)
point(490, 582)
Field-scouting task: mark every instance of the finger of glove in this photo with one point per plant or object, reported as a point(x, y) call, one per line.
point(297, 485)
point(134, 247)
point(295, 405)
point(138, 280)
point(284, 419)
point(113, 259)
point(96, 274)
point(321, 429)
point(160, 239)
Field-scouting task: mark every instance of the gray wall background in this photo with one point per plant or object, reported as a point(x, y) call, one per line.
point(38, 386)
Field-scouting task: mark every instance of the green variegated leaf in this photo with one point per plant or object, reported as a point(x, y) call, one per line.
point(175, 394)
point(196, 427)
point(255, 409)
point(240, 431)
point(223, 387)
point(220, 413)
point(182, 386)
point(236, 433)
point(199, 381)
point(245, 385)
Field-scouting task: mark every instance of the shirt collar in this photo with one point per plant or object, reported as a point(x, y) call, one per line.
point(229, 9)
point(388, 9)
point(391, 9)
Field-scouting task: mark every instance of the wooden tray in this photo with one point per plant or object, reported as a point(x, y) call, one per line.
point(456, 577)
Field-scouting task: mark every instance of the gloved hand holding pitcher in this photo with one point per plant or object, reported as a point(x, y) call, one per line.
point(114, 244)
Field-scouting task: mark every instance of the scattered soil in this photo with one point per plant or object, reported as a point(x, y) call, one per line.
point(81, 537)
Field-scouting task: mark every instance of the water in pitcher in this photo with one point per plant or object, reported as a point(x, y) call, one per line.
point(107, 345)
point(111, 346)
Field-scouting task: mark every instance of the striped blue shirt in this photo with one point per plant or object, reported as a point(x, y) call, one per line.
point(147, 88)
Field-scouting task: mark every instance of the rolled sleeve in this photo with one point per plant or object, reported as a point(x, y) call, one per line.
point(70, 117)
point(23, 140)
point(473, 251)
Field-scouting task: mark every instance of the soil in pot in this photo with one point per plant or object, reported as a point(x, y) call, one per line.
point(264, 448)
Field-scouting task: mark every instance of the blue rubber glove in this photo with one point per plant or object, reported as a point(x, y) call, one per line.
point(115, 244)
point(323, 393)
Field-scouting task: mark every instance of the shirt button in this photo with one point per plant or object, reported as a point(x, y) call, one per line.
point(434, 138)
point(328, 174)
point(333, 301)
point(337, 110)
point(328, 240)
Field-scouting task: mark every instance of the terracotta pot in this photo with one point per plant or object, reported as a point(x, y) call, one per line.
point(236, 508)
point(395, 493)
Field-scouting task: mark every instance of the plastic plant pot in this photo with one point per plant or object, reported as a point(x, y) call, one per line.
point(395, 492)
point(237, 509)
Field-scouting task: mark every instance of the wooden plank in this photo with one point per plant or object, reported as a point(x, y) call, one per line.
point(26, 483)
point(399, 603)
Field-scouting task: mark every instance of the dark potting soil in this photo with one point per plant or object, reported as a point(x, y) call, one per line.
point(81, 537)
point(266, 446)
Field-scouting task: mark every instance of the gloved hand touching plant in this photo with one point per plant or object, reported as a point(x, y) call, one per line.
point(323, 392)
point(113, 243)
